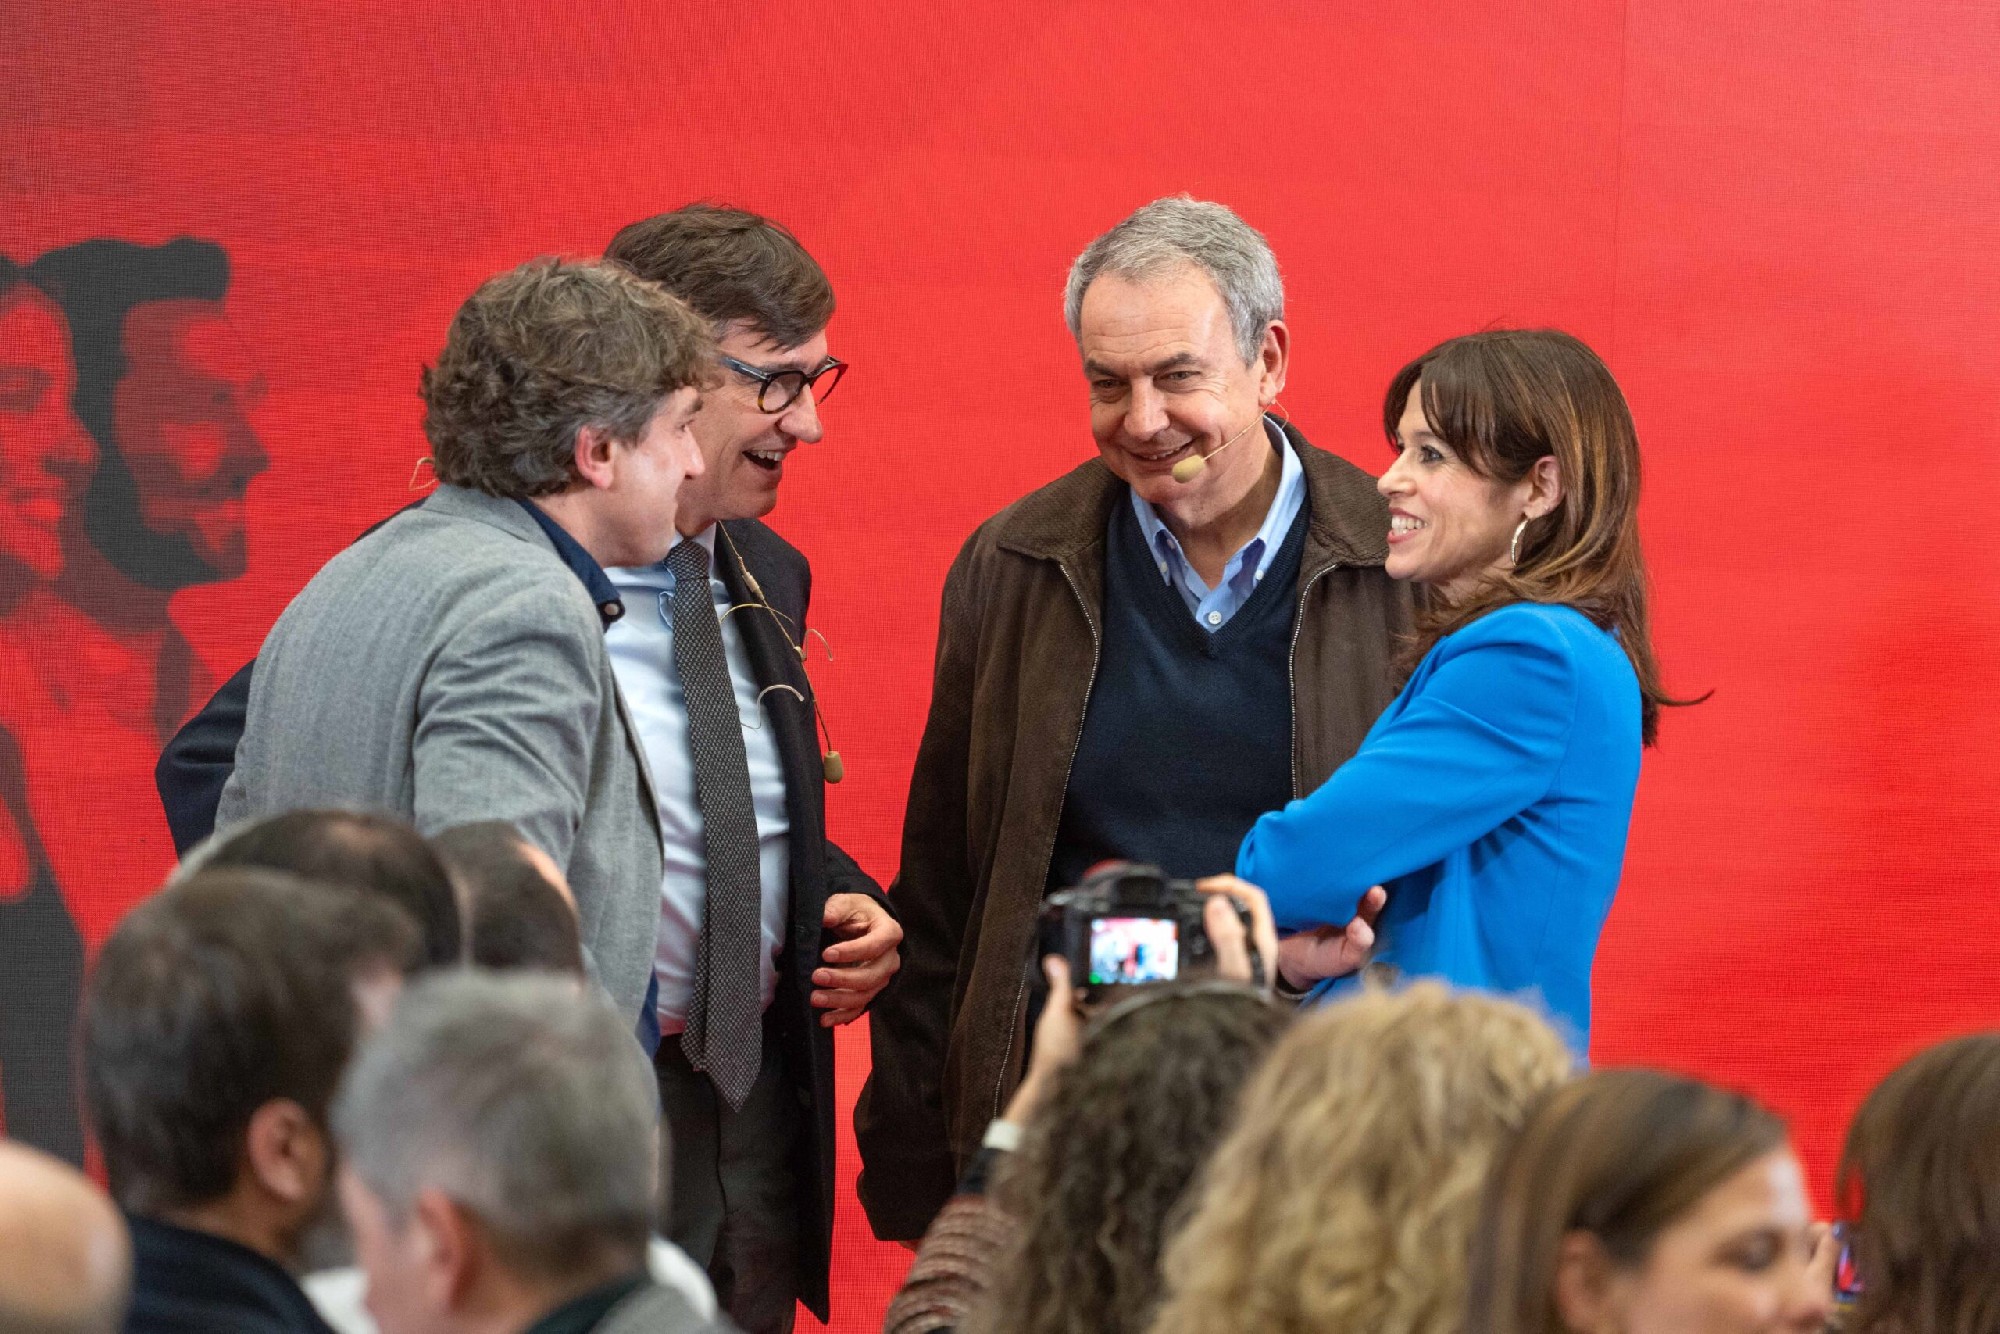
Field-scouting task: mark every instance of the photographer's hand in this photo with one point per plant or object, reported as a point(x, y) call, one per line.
point(1332, 951)
point(1058, 1038)
point(1225, 928)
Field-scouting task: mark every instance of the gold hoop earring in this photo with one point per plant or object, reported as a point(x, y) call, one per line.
point(1514, 547)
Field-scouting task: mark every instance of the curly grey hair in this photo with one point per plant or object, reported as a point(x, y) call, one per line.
point(1168, 233)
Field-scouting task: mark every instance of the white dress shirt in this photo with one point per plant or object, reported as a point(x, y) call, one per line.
point(642, 655)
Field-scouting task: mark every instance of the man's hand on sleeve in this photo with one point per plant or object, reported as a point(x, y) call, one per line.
point(1310, 957)
point(861, 960)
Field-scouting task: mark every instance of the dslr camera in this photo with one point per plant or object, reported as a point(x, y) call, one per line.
point(1129, 925)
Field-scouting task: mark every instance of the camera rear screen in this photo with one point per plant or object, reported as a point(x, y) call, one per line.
point(1134, 949)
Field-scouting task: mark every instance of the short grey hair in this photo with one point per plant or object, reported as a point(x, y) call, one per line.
point(1169, 233)
point(521, 1098)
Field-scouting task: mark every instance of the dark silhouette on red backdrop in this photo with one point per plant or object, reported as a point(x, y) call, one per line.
point(127, 449)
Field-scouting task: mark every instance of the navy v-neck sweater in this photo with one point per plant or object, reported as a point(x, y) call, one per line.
point(1188, 735)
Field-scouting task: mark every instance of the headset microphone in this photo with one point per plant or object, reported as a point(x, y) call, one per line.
point(1193, 465)
point(830, 763)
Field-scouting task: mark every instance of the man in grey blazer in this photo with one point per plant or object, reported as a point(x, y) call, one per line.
point(451, 666)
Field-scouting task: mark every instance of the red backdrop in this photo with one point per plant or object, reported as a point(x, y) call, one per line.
point(1777, 222)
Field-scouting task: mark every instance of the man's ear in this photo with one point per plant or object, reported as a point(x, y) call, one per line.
point(596, 456)
point(1273, 357)
point(450, 1247)
point(1586, 1295)
point(288, 1153)
point(1545, 486)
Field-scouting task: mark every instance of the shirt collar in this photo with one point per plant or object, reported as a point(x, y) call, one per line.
point(581, 563)
point(1277, 519)
point(656, 575)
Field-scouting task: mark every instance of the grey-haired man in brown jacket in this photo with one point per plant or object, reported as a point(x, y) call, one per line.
point(1134, 661)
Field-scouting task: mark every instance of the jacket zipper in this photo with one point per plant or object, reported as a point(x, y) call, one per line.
point(1291, 673)
point(1048, 858)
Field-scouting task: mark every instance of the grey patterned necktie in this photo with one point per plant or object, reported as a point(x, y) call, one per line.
point(724, 1032)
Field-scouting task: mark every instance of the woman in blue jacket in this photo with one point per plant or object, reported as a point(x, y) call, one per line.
point(1491, 800)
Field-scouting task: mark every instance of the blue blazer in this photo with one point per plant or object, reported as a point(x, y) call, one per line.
point(1491, 799)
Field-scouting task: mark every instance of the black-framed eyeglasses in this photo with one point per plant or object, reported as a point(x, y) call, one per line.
point(779, 389)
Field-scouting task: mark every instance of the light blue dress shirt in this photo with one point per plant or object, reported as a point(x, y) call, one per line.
point(642, 656)
point(1212, 607)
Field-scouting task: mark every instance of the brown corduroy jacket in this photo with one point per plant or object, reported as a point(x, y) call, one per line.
point(1017, 650)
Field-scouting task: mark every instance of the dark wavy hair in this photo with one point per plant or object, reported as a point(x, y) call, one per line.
point(1920, 1177)
point(1503, 400)
point(1100, 1177)
point(544, 350)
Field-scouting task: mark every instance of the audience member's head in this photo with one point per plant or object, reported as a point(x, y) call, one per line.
point(65, 1262)
point(1920, 1177)
point(363, 850)
point(499, 1151)
point(1106, 1158)
point(1634, 1201)
point(217, 1022)
point(1343, 1200)
point(516, 905)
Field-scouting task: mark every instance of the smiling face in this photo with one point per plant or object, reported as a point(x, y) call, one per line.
point(1735, 1264)
point(1449, 527)
point(744, 448)
point(181, 413)
point(45, 454)
point(1167, 382)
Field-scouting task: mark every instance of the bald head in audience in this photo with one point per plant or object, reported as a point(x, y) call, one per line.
point(65, 1262)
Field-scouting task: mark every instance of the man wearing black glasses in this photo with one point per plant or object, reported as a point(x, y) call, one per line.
point(769, 935)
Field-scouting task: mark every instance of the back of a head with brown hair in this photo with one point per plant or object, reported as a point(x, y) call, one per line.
point(1107, 1159)
point(733, 267)
point(1504, 399)
point(1920, 1177)
point(220, 993)
point(1619, 1154)
point(1343, 1201)
point(514, 916)
point(544, 350)
point(371, 851)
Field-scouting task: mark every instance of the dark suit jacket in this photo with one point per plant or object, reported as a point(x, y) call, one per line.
point(186, 1282)
point(197, 762)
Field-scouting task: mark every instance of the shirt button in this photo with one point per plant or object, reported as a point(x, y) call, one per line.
point(1215, 618)
point(1163, 567)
